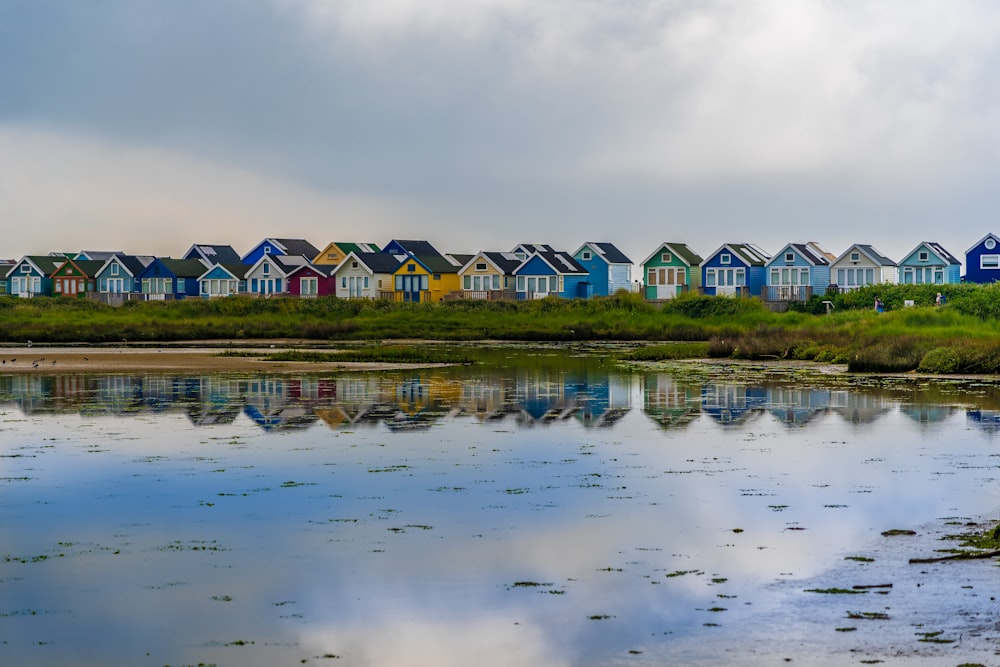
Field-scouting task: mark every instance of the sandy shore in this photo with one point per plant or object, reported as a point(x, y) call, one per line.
point(208, 359)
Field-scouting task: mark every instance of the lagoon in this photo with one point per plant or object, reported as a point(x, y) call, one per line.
point(542, 508)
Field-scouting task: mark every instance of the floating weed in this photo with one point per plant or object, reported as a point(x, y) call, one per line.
point(868, 615)
point(860, 559)
point(222, 598)
point(241, 642)
point(934, 638)
point(681, 573)
point(833, 591)
point(194, 545)
point(777, 508)
point(895, 532)
point(515, 492)
point(850, 629)
point(394, 468)
point(717, 609)
point(600, 617)
point(528, 584)
point(291, 484)
point(610, 569)
point(719, 580)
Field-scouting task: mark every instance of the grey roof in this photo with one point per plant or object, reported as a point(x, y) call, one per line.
point(750, 253)
point(870, 252)
point(215, 254)
point(99, 255)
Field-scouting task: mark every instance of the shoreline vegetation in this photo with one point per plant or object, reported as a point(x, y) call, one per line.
point(960, 337)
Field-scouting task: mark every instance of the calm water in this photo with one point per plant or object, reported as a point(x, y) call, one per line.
point(541, 510)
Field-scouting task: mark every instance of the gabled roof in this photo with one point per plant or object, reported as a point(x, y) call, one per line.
point(806, 250)
point(44, 264)
point(357, 247)
point(868, 251)
point(438, 263)
point(374, 262)
point(132, 264)
point(184, 268)
point(748, 252)
point(416, 248)
point(461, 259)
point(687, 255)
point(87, 267)
point(980, 242)
point(610, 252)
point(214, 254)
point(237, 270)
point(937, 249)
point(561, 262)
point(530, 248)
point(504, 262)
point(98, 255)
point(296, 247)
point(325, 270)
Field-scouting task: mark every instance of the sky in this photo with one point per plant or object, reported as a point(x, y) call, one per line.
point(147, 126)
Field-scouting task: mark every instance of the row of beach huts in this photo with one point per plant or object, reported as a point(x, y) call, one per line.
point(416, 271)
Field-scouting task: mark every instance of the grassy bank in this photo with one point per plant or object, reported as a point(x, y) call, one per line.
point(960, 337)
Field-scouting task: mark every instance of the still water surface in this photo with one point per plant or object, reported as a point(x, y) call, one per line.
point(536, 511)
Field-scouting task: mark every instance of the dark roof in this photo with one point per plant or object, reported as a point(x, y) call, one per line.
point(612, 253)
point(419, 248)
point(296, 247)
point(462, 258)
point(46, 264)
point(90, 267)
point(378, 262)
point(238, 269)
point(562, 262)
point(752, 254)
point(132, 264)
point(184, 268)
point(438, 263)
point(215, 254)
point(810, 254)
point(357, 247)
point(505, 261)
point(939, 249)
point(690, 257)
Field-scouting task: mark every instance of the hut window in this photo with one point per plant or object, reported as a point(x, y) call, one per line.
point(481, 266)
point(855, 257)
point(586, 255)
point(665, 257)
point(989, 261)
point(725, 258)
point(789, 256)
point(923, 256)
point(990, 243)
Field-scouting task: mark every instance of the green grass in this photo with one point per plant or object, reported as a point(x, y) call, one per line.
point(960, 337)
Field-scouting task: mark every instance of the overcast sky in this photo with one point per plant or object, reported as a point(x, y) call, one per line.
point(146, 125)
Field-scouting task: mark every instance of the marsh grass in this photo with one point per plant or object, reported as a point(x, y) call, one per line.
point(959, 337)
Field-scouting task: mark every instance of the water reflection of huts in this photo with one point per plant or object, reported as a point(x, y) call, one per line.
point(414, 400)
point(404, 400)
